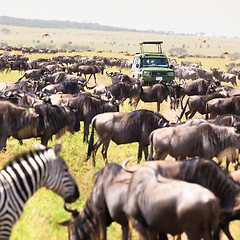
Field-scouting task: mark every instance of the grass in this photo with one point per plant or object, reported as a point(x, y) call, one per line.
point(117, 41)
point(44, 210)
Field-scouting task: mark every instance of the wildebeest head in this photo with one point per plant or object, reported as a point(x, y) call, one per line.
point(163, 122)
point(237, 127)
point(73, 125)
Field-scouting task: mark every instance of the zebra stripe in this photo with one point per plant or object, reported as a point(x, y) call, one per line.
point(24, 175)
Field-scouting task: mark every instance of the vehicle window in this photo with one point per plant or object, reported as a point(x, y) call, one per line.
point(161, 62)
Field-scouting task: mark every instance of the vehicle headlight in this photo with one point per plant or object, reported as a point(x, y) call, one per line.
point(146, 73)
point(170, 74)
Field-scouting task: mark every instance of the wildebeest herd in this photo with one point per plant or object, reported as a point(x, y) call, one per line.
point(192, 194)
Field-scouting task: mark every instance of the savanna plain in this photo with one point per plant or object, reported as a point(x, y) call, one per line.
point(44, 210)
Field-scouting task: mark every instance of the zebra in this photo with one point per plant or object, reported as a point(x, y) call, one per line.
point(21, 177)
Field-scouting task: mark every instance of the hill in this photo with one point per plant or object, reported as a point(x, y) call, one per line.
point(11, 21)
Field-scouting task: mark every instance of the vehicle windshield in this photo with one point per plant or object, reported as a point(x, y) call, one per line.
point(150, 62)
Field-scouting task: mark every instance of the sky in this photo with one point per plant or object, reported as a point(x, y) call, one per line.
point(212, 17)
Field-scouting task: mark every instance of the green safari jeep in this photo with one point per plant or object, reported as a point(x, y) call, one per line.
point(151, 67)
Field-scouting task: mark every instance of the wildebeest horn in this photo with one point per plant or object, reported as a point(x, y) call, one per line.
point(124, 164)
point(73, 211)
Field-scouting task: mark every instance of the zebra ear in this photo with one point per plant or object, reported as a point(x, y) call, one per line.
point(58, 148)
point(39, 146)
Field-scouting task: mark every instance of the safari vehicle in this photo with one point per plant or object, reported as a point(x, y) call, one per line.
point(151, 67)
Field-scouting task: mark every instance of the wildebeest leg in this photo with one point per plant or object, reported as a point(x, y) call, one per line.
point(95, 148)
point(192, 114)
point(3, 141)
point(187, 113)
point(135, 103)
point(86, 131)
point(89, 77)
point(163, 236)
point(144, 232)
point(20, 142)
point(125, 232)
point(225, 229)
point(216, 234)
point(102, 222)
point(194, 235)
point(160, 155)
point(140, 149)
point(104, 151)
point(44, 140)
point(145, 152)
point(227, 163)
point(94, 75)
point(158, 106)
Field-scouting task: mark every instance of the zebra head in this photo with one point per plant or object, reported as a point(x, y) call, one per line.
point(58, 179)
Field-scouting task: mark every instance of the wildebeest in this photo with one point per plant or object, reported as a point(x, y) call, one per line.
point(209, 175)
point(155, 93)
point(186, 73)
point(227, 120)
point(202, 140)
point(176, 95)
point(124, 128)
point(122, 90)
point(197, 103)
point(51, 120)
point(88, 106)
point(59, 77)
point(73, 68)
point(161, 205)
point(225, 77)
point(104, 205)
point(92, 70)
point(117, 77)
point(205, 74)
point(33, 74)
point(221, 106)
point(197, 87)
point(66, 87)
point(15, 119)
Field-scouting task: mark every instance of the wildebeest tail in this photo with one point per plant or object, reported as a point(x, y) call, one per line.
point(184, 109)
point(91, 141)
point(150, 155)
point(21, 78)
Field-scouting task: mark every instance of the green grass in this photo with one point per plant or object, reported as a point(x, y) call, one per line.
point(44, 210)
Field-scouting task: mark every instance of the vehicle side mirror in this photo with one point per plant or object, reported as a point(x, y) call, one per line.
point(171, 66)
point(137, 65)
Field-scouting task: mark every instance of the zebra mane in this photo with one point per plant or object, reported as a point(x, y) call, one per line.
point(24, 156)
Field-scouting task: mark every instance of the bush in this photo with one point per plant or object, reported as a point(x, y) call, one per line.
point(235, 55)
point(3, 44)
point(5, 30)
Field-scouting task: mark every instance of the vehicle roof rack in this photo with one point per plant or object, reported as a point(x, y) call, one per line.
point(158, 43)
